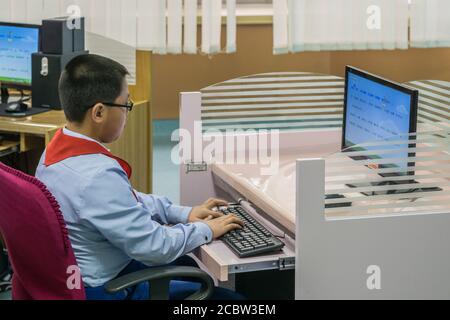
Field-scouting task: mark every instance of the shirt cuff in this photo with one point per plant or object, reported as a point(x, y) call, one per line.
point(184, 213)
point(178, 214)
point(205, 230)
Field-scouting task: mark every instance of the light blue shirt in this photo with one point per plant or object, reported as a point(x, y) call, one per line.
point(108, 227)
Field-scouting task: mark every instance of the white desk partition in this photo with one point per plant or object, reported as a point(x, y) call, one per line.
point(388, 238)
point(392, 242)
point(288, 101)
point(301, 105)
point(434, 103)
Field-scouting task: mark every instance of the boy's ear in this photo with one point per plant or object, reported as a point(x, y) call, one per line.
point(98, 112)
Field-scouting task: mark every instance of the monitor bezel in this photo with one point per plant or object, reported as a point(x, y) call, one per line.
point(397, 86)
point(16, 85)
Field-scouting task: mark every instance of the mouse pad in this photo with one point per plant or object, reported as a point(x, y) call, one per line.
point(29, 112)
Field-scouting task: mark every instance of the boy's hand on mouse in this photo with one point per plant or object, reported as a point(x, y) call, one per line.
point(223, 225)
point(205, 211)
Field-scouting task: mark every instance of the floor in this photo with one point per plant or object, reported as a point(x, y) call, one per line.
point(5, 296)
point(166, 180)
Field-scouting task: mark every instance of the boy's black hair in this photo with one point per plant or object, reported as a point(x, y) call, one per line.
point(89, 79)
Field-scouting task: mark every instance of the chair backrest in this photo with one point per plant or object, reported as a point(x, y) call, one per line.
point(35, 234)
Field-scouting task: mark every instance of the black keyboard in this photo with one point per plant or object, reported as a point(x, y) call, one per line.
point(253, 239)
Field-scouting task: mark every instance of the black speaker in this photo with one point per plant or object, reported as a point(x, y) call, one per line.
point(46, 70)
point(79, 41)
point(61, 36)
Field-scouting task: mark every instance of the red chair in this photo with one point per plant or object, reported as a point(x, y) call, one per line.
point(42, 257)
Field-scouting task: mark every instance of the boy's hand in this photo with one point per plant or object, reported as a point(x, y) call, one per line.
point(205, 211)
point(224, 224)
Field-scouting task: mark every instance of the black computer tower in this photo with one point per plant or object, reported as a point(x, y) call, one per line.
point(47, 69)
point(61, 35)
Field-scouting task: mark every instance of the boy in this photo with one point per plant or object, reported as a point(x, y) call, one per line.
point(114, 229)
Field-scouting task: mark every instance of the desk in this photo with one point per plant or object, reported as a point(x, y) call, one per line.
point(333, 247)
point(35, 132)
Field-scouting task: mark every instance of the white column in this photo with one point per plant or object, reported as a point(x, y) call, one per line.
point(297, 23)
point(128, 22)
point(211, 26)
point(309, 202)
point(52, 9)
point(35, 11)
point(430, 23)
point(280, 26)
point(231, 26)
point(98, 14)
point(114, 19)
point(5, 12)
point(19, 11)
point(190, 26)
point(157, 26)
point(144, 37)
point(174, 26)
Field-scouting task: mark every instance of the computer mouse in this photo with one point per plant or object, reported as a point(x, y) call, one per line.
point(16, 107)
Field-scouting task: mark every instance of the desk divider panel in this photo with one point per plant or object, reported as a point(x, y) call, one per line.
point(434, 103)
point(400, 175)
point(286, 101)
point(388, 237)
point(394, 216)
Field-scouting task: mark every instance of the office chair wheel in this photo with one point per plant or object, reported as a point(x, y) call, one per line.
point(6, 283)
point(5, 286)
point(5, 269)
point(6, 280)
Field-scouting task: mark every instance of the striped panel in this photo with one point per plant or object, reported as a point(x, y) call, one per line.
point(434, 102)
point(300, 101)
point(404, 175)
point(286, 101)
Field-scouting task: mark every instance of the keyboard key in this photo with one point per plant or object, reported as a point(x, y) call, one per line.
point(253, 239)
point(261, 245)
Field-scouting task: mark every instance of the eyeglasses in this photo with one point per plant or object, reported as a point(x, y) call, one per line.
point(129, 105)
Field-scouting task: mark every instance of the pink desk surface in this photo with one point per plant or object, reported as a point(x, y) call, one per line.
point(274, 194)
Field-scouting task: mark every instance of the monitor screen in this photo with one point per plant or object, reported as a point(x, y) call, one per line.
point(378, 110)
point(17, 44)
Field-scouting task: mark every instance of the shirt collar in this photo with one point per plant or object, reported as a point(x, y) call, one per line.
point(81, 136)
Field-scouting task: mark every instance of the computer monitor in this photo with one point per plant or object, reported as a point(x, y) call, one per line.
point(376, 109)
point(17, 43)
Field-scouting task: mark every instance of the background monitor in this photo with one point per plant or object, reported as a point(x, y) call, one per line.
point(376, 109)
point(17, 43)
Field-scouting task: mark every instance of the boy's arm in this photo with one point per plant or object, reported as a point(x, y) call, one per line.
point(111, 207)
point(163, 210)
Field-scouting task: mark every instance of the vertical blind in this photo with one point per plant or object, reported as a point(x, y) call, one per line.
point(430, 23)
point(306, 25)
point(170, 26)
point(155, 25)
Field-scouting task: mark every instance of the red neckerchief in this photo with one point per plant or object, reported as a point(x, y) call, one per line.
point(64, 146)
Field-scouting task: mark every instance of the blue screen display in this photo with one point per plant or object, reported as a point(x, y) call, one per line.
point(17, 44)
point(376, 112)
